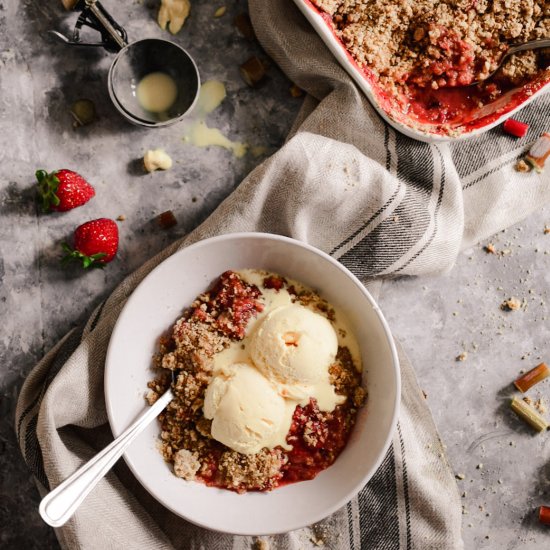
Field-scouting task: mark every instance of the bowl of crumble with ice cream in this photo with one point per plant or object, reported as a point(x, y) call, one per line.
point(285, 379)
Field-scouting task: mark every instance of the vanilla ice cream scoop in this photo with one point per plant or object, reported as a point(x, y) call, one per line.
point(294, 345)
point(247, 412)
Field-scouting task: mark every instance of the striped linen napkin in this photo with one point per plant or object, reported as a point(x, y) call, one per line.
point(380, 203)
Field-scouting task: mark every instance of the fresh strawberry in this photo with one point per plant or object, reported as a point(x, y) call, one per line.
point(95, 243)
point(62, 190)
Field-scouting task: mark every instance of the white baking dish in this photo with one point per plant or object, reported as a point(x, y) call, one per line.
point(488, 116)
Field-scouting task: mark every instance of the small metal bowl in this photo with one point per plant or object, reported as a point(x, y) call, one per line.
point(137, 60)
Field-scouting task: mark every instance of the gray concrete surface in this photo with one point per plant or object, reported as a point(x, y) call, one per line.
point(436, 318)
point(505, 464)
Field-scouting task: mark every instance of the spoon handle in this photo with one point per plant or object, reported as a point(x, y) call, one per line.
point(60, 504)
point(531, 45)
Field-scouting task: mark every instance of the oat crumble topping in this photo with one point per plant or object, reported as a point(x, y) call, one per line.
point(405, 39)
point(413, 48)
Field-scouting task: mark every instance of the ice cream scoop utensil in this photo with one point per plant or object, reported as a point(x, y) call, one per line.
point(60, 504)
point(95, 16)
point(133, 62)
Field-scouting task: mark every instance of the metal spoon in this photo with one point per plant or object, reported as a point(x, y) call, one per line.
point(531, 45)
point(61, 503)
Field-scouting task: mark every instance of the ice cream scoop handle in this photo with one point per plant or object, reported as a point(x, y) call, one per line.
point(60, 504)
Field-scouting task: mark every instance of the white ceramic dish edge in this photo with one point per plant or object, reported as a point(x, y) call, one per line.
point(336, 48)
point(118, 424)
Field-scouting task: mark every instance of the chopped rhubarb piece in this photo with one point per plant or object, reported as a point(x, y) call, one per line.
point(515, 127)
point(539, 152)
point(534, 376)
point(528, 414)
point(244, 26)
point(252, 71)
point(166, 220)
point(544, 515)
point(296, 91)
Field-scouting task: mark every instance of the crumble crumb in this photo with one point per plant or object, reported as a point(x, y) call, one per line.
point(261, 544)
point(151, 397)
point(462, 356)
point(311, 299)
point(320, 534)
point(490, 249)
point(438, 43)
point(522, 166)
point(186, 464)
point(460, 476)
point(317, 541)
point(540, 405)
point(511, 304)
point(345, 378)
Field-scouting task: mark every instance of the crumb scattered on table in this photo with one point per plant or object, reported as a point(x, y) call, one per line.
point(522, 166)
point(261, 544)
point(511, 304)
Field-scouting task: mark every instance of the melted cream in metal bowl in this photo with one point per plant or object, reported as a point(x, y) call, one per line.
point(157, 92)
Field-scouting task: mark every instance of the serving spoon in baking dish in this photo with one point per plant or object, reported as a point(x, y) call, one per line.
point(539, 43)
point(60, 504)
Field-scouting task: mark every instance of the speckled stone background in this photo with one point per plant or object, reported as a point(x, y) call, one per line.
point(506, 469)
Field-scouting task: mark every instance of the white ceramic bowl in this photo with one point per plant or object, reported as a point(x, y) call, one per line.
point(486, 117)
point(152, 309)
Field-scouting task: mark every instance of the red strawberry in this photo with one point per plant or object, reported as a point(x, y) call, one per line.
point(95, 243)
point(62, 190)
